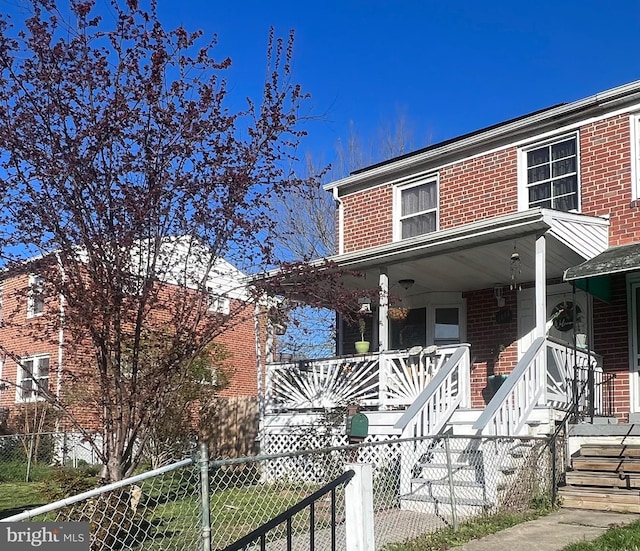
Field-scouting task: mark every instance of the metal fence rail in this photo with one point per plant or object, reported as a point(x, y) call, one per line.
point(419, 485)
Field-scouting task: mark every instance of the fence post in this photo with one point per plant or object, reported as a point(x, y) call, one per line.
point(359, 508)
point(204, 494)
point(554, 472)
point(452, 489)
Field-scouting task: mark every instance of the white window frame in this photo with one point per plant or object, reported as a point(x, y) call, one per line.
point(523, 186)
point(634, 129)
point(218, 304)
point(23, 374)
point(397, 203)
point(35, 297)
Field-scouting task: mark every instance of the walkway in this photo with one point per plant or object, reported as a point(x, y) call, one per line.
point(552, 532)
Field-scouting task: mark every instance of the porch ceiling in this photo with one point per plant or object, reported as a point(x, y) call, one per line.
point(477, 255)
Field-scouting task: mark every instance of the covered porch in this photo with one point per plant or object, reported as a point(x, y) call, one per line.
point(487, 325)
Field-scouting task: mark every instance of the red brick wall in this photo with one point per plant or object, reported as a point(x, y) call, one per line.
point(611, 341)
point(368, 218)
point(485, 337)
point(479, 188)
point(605, 168)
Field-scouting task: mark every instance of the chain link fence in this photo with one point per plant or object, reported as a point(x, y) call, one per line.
point(419, 486)
point(22, 456)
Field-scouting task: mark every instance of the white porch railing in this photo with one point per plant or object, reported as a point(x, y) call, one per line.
point(510, 407)
point(550, 373)
point(568, 371)
point(383, 380)
point(449, 389)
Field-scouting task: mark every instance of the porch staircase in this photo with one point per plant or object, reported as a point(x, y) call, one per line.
point(465, 477)
point(605, 478)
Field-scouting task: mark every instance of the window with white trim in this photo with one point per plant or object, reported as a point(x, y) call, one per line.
point(33, 375)
point(551, 178)
point(635, 155)
point(417, 208)
point(35, 298)
point(217, 303)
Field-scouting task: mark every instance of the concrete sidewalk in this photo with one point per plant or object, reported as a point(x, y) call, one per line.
point(552, 532)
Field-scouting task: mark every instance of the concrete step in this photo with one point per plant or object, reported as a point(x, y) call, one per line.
point(479, 502)
point(445, 482)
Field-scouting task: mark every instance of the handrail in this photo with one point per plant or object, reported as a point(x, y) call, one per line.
point(416, 407)
point(308, 501)
point(509, 384)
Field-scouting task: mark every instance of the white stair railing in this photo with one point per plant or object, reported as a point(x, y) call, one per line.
point(509, 409)
point(434, 406)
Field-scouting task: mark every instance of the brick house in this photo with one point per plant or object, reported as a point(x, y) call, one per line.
point(31, 337)
point(513, 250)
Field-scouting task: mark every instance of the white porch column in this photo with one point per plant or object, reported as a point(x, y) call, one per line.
point(383, 311)
point(541, 286)
point(541, 313)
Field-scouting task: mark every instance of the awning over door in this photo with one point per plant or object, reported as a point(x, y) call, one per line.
point(593, 275)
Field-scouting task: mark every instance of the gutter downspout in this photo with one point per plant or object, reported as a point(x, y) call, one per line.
point(339, 230)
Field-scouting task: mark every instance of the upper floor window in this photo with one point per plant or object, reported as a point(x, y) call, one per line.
point(635, 152)
point(33, 377)
point(417, 208)
point(35, 298)
point(217, 303)
point(552, 175)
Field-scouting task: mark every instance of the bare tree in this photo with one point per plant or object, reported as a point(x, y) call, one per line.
point(125, 167)
point(308, 224)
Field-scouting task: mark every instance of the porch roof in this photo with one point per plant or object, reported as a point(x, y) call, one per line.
point(477, 255)
point(593, 275)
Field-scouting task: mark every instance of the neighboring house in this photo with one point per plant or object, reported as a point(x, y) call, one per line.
point(521, 240)
point(48, 353)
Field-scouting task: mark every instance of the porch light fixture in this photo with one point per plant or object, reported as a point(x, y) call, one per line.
point(406, 283)
point(365, 305)
point(498, 292)
point(515, 268)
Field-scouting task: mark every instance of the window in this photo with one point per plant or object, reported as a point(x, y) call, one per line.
point(33, 374)
point(218, 304)
point(35, 299)
point(552, 175)
point(447, 326)
point(635, 152)
point(417, 205)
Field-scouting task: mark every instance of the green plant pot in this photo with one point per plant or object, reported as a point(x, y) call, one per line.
point(495, 381)
point(362, 347)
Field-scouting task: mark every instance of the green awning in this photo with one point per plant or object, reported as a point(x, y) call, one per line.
point(594, 274)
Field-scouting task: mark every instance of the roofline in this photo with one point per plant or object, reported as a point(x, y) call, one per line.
point(530, 221)
point(603, 100)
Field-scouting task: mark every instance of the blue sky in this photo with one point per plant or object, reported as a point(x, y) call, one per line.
point(449, 67)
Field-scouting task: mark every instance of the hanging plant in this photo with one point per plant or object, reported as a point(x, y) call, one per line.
point(398, 313)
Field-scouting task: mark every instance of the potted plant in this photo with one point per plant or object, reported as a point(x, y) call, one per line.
point(362, 346)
